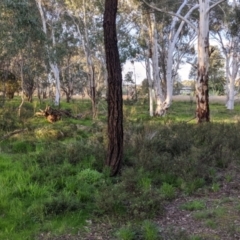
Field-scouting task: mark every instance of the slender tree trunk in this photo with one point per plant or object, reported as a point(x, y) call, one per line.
point(115, 112)
point(233, 75)
point(22, 94)
point(202, 111)
point(150, 85)
point(93, 92)
point(55, 70)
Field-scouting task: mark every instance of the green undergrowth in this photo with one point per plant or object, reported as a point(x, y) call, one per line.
point(53, 179)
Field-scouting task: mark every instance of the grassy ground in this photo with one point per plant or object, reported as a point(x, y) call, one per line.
point(179, 179)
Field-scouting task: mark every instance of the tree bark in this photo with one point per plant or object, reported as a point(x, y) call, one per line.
point(115, 113)
point(202, 96)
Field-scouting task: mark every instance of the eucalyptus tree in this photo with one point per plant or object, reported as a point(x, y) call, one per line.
point(21, 27)
point(202, 30)
point(73, 77)
point(86, 17)
point(167, 41)
point(50, 13)
point(226, 31)
point(216, 70)
point(115, 111)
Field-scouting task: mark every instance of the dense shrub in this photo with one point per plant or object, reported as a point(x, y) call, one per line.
point(182, 154)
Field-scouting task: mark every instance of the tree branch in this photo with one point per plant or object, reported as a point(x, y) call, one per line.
point(13, 133)
point(174, 14)
point(215, 4)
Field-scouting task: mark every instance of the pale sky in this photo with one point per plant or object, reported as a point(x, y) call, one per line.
point(140, 71)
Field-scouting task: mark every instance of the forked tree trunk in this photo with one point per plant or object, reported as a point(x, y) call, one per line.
point(115, 113)
point(202, 96)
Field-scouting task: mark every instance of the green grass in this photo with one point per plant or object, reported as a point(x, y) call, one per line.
point(53, 179)
point(193, 205)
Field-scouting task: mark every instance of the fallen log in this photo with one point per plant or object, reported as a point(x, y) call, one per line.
point(54, 115)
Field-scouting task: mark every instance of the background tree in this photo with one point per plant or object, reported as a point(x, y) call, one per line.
point(226, 31)
point(115, 112)
point(216, 71)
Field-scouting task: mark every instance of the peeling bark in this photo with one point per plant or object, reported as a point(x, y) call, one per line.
point(202, 95)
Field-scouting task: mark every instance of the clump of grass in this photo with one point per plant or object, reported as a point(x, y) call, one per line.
point(215, 187)
point(211, 223)
point(150, 230)
point(125, 233)
point(167, 191)
point(193, 205)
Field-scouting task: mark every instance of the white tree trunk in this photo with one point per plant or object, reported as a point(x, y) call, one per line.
point(156, 78)
point(55, 71)
point(150, 84)
point(231, 94)
point(202, 96)
point(232, 75)
point(173, 37)
point(54, 66)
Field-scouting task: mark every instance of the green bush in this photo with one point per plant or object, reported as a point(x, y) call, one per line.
point(89, 176)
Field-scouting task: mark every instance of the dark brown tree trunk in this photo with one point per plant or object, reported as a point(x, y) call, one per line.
point(68, 97)
point(115, 113)
point(93, 93)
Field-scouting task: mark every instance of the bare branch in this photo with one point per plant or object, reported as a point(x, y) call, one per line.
point(13, 133)
point(175, 14)
point(215, 4)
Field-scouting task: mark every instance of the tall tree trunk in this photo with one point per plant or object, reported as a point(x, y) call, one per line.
point(202, 96)
point(233, 75)
point(155, 68)
point(115, 112)
point(53, 64)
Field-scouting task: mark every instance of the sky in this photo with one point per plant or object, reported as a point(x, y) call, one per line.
point(140, 71)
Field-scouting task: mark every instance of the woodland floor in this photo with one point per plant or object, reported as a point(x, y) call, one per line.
point(219, 219)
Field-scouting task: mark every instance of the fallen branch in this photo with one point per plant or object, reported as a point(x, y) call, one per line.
point(13, 133)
